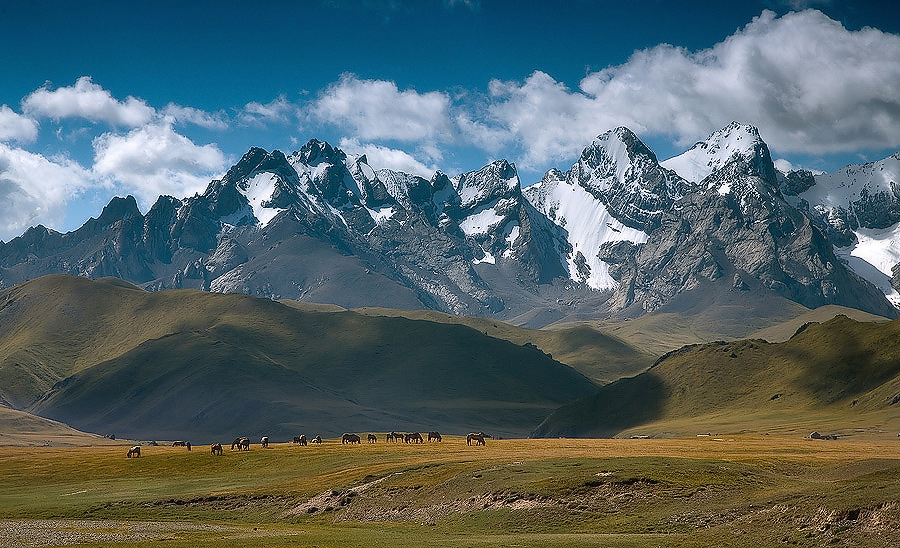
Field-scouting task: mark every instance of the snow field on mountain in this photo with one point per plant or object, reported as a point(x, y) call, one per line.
point(873, 257)
point(588, 223)
point(698, 162)
point(259, 190)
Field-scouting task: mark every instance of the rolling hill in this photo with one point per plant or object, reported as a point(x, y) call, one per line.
point(105, 356)
point(841, 375)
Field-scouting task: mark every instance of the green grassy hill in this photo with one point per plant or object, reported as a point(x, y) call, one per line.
point(720, 315)
point(104, 356)
point(841, 375)
point(595, 354)
point(18, 428)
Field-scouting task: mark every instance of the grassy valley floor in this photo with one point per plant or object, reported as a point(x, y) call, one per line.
point(742, 490)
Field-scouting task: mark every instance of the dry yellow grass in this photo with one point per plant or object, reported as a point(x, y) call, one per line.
point(740, 490)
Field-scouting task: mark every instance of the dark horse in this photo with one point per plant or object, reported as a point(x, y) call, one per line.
point(242, 443)
point(434, 436)
point(477, 437)
point(134, 452)
point(216, 449)
point(301, 439)
point(414, 437)
point(372, 438)
point(350, 438)
point(393, 436)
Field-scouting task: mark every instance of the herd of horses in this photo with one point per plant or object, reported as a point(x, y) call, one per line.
point(242, 443)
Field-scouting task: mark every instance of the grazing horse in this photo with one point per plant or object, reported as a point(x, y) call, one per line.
point(477, 437)
point(242, 444)
point(317, 439)
point(264, 441)
point(394, 436)
point(434, 436)
point(301, 439)
point(414, 437)
point(134, 452)
point(372, 438)
point(350, 438)
point(178, 444)
point(216, 449)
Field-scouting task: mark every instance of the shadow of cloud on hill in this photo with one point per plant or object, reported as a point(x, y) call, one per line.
point(843, 358)
point(618, 406)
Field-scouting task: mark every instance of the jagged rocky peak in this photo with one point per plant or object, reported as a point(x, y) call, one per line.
point(622, 172)
point(495, 180)
point(734, 143)
point(118, 209)
point(316, 152)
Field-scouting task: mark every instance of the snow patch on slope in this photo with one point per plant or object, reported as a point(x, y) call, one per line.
point(480, 222)
point(877, 251)
point(589, 225)
point(698, 162)
point(874, 256)
point(258, 192)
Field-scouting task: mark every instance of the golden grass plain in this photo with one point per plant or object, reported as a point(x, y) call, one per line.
point(730, 490)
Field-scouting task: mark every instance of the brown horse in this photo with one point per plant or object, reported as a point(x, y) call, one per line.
point(477, 437)
point(350, 438)
point(301, 439)
point(434, 436)
point(134, 452)
point(216, 449)
point(372, 438)
point(414, 437)
point(393, 436)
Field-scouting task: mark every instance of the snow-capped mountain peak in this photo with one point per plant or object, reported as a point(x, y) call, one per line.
point(733, 142)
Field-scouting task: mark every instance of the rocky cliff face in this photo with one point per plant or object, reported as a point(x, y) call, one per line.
point(618, 233)
point(319, 225)
point(735, 228)
point(858, 207)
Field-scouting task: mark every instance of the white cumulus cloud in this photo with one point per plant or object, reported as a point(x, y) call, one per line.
point(279, 110)
point(381, 157)
point(807, 82)
point(378, 109)
point(36, 190)
point(15, 127)
point(154, 160)
point(191, 115)
point(89, 101)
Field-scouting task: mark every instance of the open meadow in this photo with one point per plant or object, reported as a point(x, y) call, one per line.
point(741, 490)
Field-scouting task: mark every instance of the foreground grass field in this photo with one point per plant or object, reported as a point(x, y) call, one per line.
point(704, 491)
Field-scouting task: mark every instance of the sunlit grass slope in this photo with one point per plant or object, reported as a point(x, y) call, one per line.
point(841, 375)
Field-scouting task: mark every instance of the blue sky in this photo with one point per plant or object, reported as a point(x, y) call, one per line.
point(112, 98)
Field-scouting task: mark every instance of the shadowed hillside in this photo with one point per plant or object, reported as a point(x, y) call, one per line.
point(841, 374)
point(109, 357)
point(597, 355)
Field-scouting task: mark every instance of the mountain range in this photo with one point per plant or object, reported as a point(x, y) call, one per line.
point(619, 234)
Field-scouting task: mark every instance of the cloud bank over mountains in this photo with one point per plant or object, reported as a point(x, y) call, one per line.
point(810, 85)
